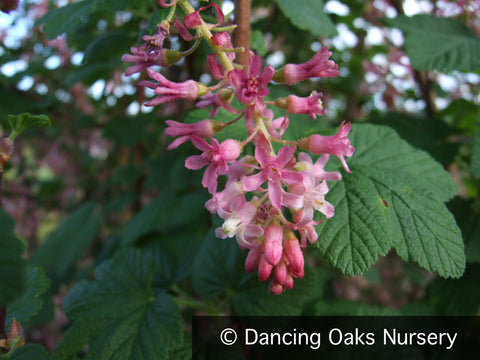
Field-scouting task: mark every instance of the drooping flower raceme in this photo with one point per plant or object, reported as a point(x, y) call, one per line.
point(272, 201)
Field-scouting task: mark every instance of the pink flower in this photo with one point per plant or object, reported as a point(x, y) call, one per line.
point(272, 170)
point(338, 145)
point(273, 244)
point(194, 19)
point(313, 198)
point(238, 222)
point(253, 257)
point(167, 90)
point(163, 3)
point(220, 99)
point(205, 129)
point(216, 156)
point(317, 169)
point(251, 88)
point(318, 66)
point(222, 200)
point(311, 105)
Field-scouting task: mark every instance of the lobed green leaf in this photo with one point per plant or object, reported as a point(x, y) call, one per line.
point(118, 315)
point(394, 197)
point(434, 43)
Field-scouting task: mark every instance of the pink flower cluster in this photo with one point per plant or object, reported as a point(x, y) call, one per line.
point(272, 201)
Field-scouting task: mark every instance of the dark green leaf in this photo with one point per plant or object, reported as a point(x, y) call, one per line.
point(30, 352)
point(68, 243)
point(476, 153)
point(163, 212)
point(12, 274)
point(25, 121)
point(218, 266)
point(424, 134)
point(439, 43)
point(118, 315)
point(351, 308)
point(66, 18)
point(459, 297)
point(308, 15)
point(393, 198)
point(30, 302)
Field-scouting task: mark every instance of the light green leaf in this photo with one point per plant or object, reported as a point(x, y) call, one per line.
point(25, 121)
point(31, 301)
point(67, 244)
point(12, 275)
point(118, 315)
point(308, 15)
point(476, 152)
point(393, 198)
point(258, 43)
point(66, 18)
point(439, 43)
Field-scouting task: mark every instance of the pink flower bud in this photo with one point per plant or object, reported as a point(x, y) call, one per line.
point(338, 145)
point(15, 330)
point(275, 288)
point(167, 90)
point(294, 255)
point(273, 244)
point(311, 105)
point(288, 284)
point(318, 66)
point(280, 272)
point(205, 129)
point(264, 269)
point(253, 258)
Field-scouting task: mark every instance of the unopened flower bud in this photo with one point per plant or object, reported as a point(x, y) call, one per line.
point(253, 258)
point(15, 330)
point(273, 244)
point(275, 288)
point(264, 269)
point(294, 255)
point(280, 272)
point(311, 105)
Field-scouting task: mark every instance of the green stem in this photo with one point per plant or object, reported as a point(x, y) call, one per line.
point(185, 299)
point(204, 32)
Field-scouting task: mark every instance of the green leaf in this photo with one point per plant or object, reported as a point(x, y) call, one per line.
point(476, 152)
point(31, 301)
point(258, 43)
point(25, 121)
point(459, 297)
point(165, 211)
point(65, 19)
point(30, 352)
point(12, 275)
point(117, 314)
point(434, 43)
point(351, 308)
point(393, 198)
point(308, 15)
point(430, 135)
point(68, 243)
point(218, 266)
